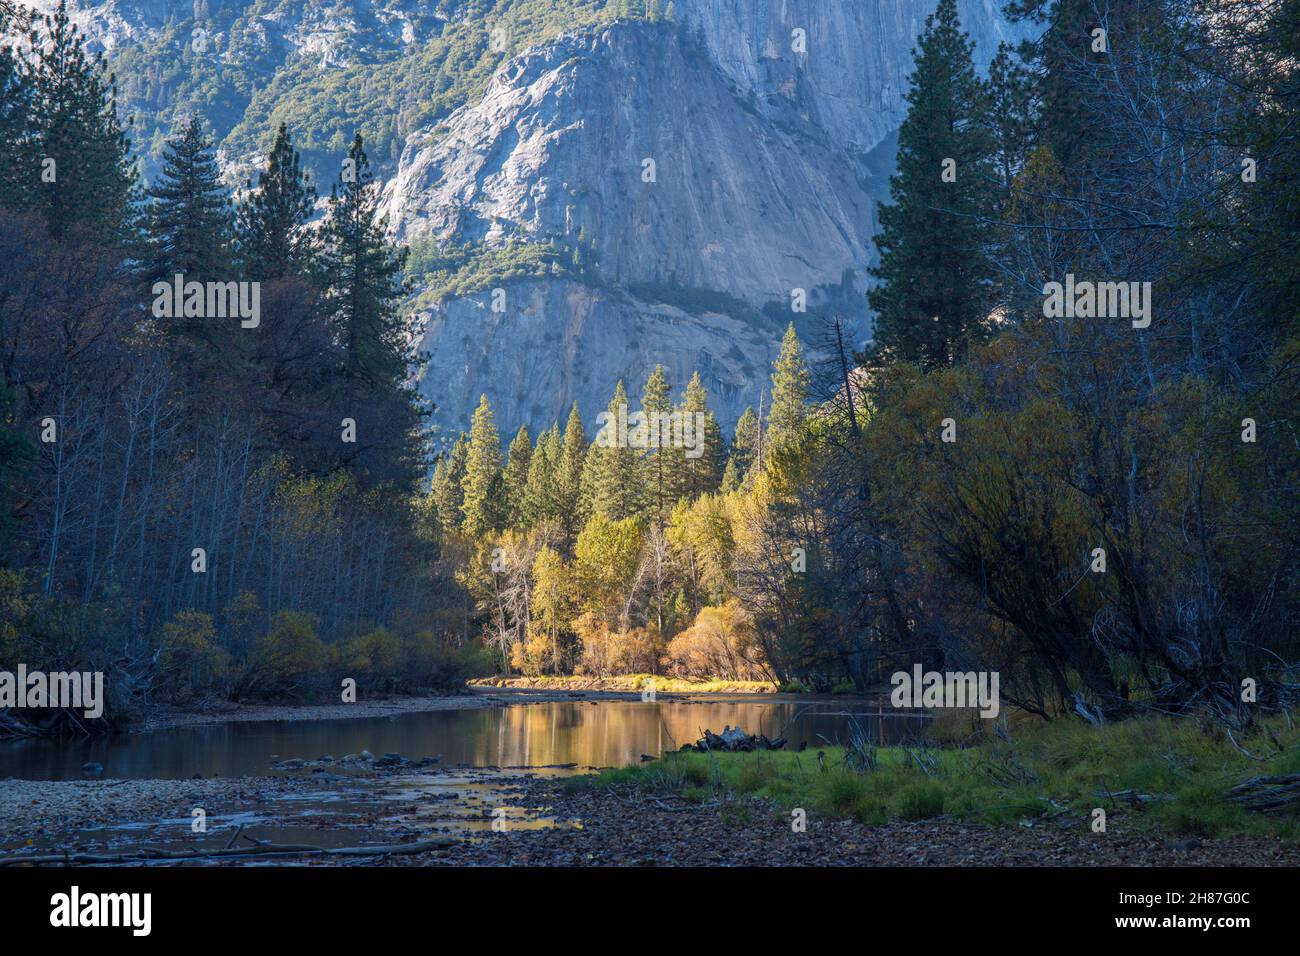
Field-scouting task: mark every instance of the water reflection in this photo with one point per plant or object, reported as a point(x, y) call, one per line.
point(586, 733)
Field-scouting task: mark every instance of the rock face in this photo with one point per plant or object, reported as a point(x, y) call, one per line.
point(700, 171)
point(567, 136)
point(725, 152)
point(560, 341)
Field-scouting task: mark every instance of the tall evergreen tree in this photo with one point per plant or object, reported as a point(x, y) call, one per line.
point(363, 278)
point(935, 278)
point(515, 476)
point(273, 241)
point(790, 378)
point(744, 445)
point(616, 481)
point(568, 472)
point(539, 493)
point(448, 480)
point(698, 468)
point(656, 404)
point(483, 503)
point(17, 130)
point(80, 161)
point(188, 217)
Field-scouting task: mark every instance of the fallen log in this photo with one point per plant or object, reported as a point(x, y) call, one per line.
point(1268, 794)
point(731, 740)
point(260, 849)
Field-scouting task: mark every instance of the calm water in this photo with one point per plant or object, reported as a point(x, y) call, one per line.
point(605, 733)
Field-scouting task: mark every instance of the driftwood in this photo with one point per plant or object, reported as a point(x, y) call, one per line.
point(259, 848)
point(732, 740)
point(1268, 794)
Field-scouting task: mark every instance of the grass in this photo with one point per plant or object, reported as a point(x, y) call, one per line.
point(1063, 769)
point(633, 683)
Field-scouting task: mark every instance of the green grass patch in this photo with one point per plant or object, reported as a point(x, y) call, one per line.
point(1157, 774)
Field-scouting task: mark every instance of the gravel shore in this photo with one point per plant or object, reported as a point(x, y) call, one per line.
point(49, 810)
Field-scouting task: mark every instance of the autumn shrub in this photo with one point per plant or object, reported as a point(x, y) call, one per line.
point(531, 657)
point(289, 661)
point(191, 662)
point(373, 659)
point(606, 651)
point(721, 643)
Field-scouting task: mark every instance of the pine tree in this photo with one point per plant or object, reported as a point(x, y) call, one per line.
point(698, 468)
point(363, 279)
point(273, 241)
point(447, 490)
point(515, 477)
point(483, 503)
point(616, 481)
point(17, 130)
point(731, 477)
point(744, 446)
point(568, 475)
point(656, 406)
point(539, 493)
point(1060, 55)
point(80, 160)
point(1009, 114)
point(935, 290)
point(188, 215)
point(790, 378)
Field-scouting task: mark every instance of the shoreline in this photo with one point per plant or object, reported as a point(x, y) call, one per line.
point(476, 696)
point(593, 827)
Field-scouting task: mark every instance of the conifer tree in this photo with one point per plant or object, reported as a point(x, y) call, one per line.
point(568, 472)
point(616, 481)
point(730, 477)
point(18, 175)
point(656, 405)
point(515, 476)
point(790, 378)
point(79, 161)
point(273, 241)
point(698, 468)
point(188, 217)
point(539, 492)
point(363, 280)
point(483, 503)
point(935, 278)
point(744, 447)
point(448, 479)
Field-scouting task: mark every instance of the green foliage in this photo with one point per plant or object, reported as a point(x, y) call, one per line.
point(72, 112)
point(483, 503)
point(790, 379)
point(935, 296)
point(289, 658)
point(615, 474)
point(1063, 770)
point(272, 238)
point(454, 271)
point(362, 273)
point(188, 218)
point(191, 661)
